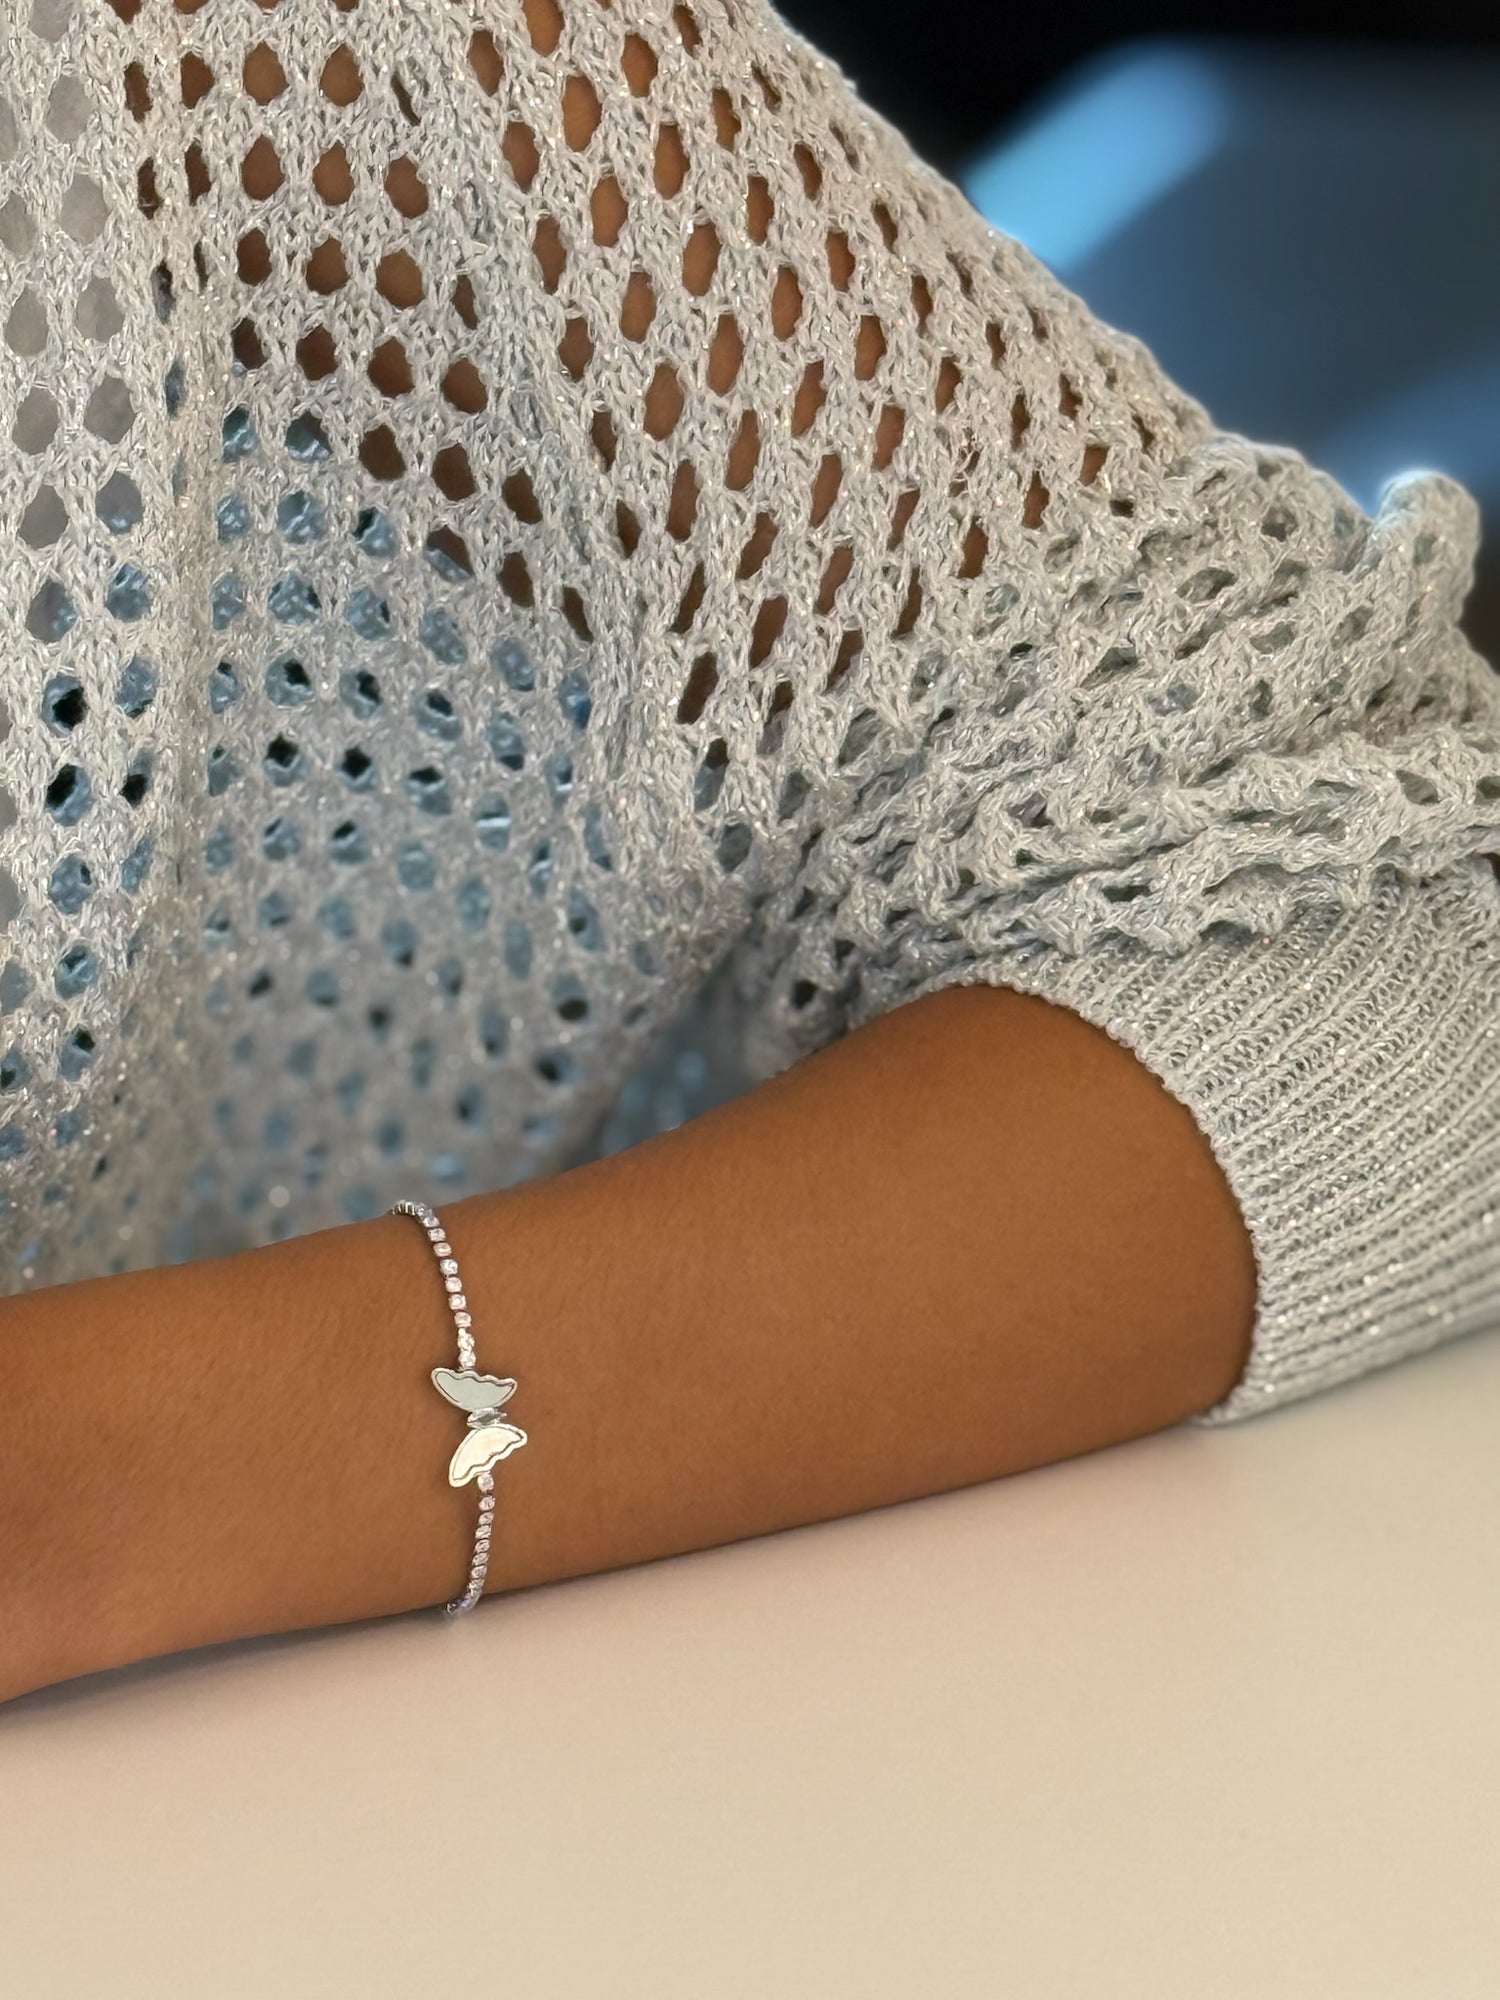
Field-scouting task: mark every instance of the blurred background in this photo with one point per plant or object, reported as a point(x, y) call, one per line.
point(1298, 215)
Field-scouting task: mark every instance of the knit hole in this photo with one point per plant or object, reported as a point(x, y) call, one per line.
point(246, 345)
point(692, 599)
point(66, 117)
point(851, 645)
point(786, 303)
point(82, 213)
point(638, 307)
point(463, 387)
point(45, 519)
point(118, 504)
point(755, 551)
point(69, 794)
point(726, 352)
point(325, 270)
point(700, 258)
point(664, 401)
point(869, 347)
point(773, 725)
point(708, 780)
point(390, 370)
point(576, 348)
point(726, 120)
point(602, 434)
point(453, 473)
point(340, 81)
point(515, 580)
point(398, 279)
point(608, 209)
point(26, 326)
point(701, 682)
point(888, 434)
point(759, 208)
point(638, 61)
point(518, 494)
point(360, 692)
point(333, 177)
point(839, 565)
point(570, 997)
point(767, 629)
point(253, 257)
point(767, 89)
point(400, 92)
point(264, 77)
point(405, 188)
point(547, 248)
point(743, 453)
point(448, 553)
point(669, 161)
point(826, 484)
point(52, 612)
point(518, 145)
point(64, 704)
point(682, 508)
point(485, 61)
point(108, 416)
point(810, 398)
point(71, 885)
point(575, 613)
point(380, 455)
point(1037, 497)
point(581, 112)
point(544, 24)
point(260, 170)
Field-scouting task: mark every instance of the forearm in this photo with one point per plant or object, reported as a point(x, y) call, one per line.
point(974, 1236)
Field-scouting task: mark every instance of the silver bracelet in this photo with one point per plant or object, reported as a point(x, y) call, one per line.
point(489, 1437)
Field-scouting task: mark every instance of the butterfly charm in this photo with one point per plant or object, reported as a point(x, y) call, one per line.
point(489, 1437)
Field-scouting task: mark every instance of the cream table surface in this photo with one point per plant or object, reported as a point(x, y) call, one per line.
point(1214, 1715)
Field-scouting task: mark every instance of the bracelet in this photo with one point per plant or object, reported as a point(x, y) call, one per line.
point(489, 1437)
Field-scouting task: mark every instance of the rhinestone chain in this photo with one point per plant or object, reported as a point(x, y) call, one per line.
point(463, 1321)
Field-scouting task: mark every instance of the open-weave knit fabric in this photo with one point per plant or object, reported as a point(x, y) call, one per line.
point(520, 521)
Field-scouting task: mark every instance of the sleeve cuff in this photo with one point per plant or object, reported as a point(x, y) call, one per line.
point(1346, 1071)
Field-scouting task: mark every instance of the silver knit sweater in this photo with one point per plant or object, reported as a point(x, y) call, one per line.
point(551, 567)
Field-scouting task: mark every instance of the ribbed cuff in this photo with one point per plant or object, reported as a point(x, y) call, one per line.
point(1347, 1074)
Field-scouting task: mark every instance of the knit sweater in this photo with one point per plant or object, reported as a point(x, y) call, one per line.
point(551, 567)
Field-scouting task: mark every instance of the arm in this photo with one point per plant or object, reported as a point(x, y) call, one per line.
point(974, 1236)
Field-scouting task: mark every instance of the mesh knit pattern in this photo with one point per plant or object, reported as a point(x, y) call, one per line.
point(509, 513)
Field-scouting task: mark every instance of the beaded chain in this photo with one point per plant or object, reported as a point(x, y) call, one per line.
point(489, 1438)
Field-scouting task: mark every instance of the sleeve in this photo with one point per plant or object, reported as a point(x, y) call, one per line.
point(1231, 799)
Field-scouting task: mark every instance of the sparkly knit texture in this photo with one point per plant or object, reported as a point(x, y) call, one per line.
point(517, 523)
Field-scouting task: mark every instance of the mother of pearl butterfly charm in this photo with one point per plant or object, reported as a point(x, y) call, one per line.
point(489, 1438)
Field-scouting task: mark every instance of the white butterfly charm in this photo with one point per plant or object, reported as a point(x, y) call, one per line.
point(489, 1437)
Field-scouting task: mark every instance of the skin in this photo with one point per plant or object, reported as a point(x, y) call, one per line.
point(972, 1237)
